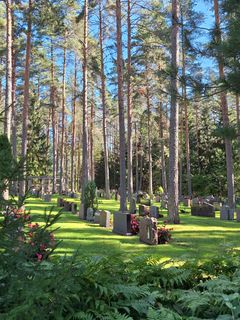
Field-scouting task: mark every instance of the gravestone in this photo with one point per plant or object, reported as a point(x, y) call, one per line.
point(132, 205)
point(148, 232)
point(203, 211)
point(226, 213)
point(154, 212)
point(157, 198)
point(105, 219)
point(47, 198)
point(90, 214)
point(238, 214)
point(122, 223)
point(67, 206)
point(60, 202)
point(74, 208)
point(143, 210)
point(97, 217)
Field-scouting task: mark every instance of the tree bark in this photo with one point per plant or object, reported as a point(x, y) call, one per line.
point(85, 146)
point(62, 184)
point(8, 99)
point(103, 96)
point(54, 123)
point(149, 131)
point(129, 103)
point(92, 173)
point(26, 91)
point(238, 123)
point(121, 108)
point(163, 163)
point(74, 127)
point(173, 214)
point(185, 105)
point(224, 106)
point(137, 152)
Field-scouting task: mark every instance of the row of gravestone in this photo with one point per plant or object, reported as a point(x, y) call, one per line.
point(67, 205)
point(208, 210)
point(152, 211)
point(103, 217)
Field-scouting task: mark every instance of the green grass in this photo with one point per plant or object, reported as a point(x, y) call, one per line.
point(195, 237)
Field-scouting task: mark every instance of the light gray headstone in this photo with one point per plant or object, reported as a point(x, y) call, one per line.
point(97, 217)
point(90, 214)
point(105, 217)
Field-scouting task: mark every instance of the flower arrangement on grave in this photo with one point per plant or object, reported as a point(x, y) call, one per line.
point(164, 235)
point(134, 224)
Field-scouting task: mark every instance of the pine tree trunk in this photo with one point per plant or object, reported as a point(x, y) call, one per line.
point(85, 146)
point(185, 105)
point(173, 214)
point(238, 124)
point(141, 164)
point(137, 152)
point(224, 106)
point(26, 92)
point(149, 144)
point(8, 99)
point(121, 108)
point(14, 113)
point(163, 163)
point(62, 185)
point(103, 96)
point(92, 174)
point(74, 128)
point(54, 124)
point(129, 104)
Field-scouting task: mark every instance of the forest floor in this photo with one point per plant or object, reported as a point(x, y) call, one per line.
point(195, 237)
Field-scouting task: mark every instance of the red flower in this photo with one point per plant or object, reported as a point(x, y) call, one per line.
point(39, 256)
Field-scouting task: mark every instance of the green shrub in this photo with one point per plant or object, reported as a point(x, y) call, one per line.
point(90, 196)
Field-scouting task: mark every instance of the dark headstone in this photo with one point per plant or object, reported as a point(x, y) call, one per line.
point(143, 210)
point(105, 219)
point(226, 213)
point(203, 211)
point(148, 232)
point(47, 198)
point(74, 208)
point(60, 202)
point(154, 212)
point(238, 214)
point(67, 206)
point(122, 223)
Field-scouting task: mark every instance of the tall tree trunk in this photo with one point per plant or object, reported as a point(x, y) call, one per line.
point(62, 184)
point(224, 106)
point(137, 152)
point(238, 124)
point(121, 108)
point(54, 123)
point(14, 113)
point(8, 99)
point(92, 174)
point(74, 127)
point(66, 156)
point(85, 146)
point(149, 132)
point(185, 104)
point(141, 163)
point(173, 214)
point(129, 103)
point(26, 91)
point(163, 163)
point(103, 96)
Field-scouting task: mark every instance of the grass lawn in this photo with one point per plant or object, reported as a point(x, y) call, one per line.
point(195, 237)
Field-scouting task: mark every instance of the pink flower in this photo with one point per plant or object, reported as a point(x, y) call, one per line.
point(39, 256)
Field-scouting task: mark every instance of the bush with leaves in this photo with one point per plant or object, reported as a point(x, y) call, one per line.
point(90, 196)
